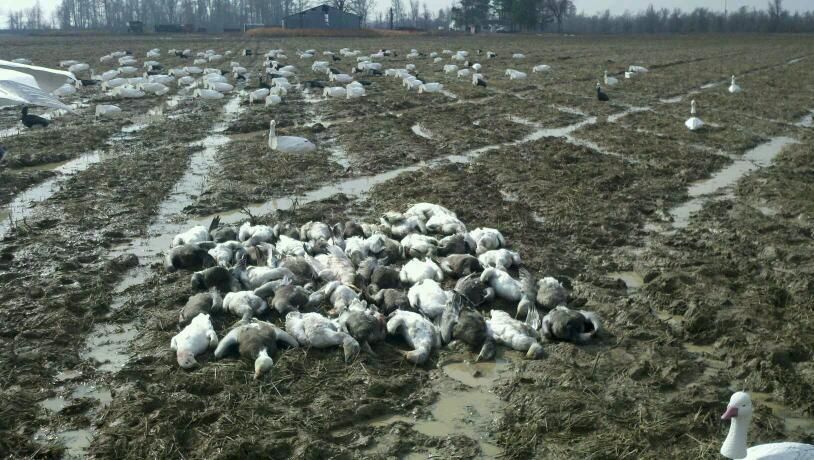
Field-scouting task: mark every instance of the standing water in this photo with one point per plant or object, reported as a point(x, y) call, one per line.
point(700, 192)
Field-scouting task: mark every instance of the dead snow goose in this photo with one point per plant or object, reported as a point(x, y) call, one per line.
point(577, 326)
point(195, 339)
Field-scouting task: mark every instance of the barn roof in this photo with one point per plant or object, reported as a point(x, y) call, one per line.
point(324, 7)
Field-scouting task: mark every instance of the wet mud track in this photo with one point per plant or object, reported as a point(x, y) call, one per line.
point(696, 302)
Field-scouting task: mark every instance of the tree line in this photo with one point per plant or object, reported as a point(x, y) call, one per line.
point(213, 15)
point(501, 15)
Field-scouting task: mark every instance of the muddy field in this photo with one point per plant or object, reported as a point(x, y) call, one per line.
point(695, 248)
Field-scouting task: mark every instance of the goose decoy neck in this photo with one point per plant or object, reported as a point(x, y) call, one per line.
point(692, 107)
point(25, 111)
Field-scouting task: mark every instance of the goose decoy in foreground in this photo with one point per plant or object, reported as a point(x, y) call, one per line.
point(288, 144)
point(693, 123)
point(31, 121)
point(610, 81)
point(601, 94)
point(739, 413)
point(733, 87)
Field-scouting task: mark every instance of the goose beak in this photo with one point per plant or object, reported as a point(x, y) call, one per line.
point(731, 412)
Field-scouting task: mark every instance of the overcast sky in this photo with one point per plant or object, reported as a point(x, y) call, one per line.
point(587, 6)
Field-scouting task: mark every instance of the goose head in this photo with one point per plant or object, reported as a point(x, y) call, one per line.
point(739, 413)
point(692, 107)
point(733, 79)
point(263, 364)
point(25, 110)
point(351, 348)
point(272, 135)
point(186, 359)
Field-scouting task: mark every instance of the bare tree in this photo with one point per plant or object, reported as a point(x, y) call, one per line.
point(776, 14)
point(301, 5)
point(362, 8)
point(339, 4)
point(398, 11)
point(560, 10)
point(414, 12)
point(426, 16)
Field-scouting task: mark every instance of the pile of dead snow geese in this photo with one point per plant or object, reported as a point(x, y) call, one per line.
point(420, 275)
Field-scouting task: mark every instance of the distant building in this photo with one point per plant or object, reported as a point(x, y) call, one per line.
point(135, 27)
point(322, 17)
point(169, 28)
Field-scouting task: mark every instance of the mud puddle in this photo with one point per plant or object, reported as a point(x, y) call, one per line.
point(465, 412)
point(613, 118)
point(22, 206)
point(759, 157)
point(793, 420)
point(633, 281)
point(75, 442)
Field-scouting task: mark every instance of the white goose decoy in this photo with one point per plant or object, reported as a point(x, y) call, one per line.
point(449, 68)
point(541, 68)
point(518, 56)
point(128, 70)
point(67, 89)
point(258, 95)
point(430, 88)
point(637, 69)
point(610, 81)
point(288, 144)
point(693, 123)
point(342, 78)
point(154, 88)
point(516, 74)
point(733, 87)
point(273, 99)
point(739, 412)
point(464, 73)
point(354, 90)
point(207, 94)
point(127, 92)
point(80, 67)
point(335, 92)
point(114, 83)
point(186, 80)
point(105, 110)
point(109, 75)
point(220, 86)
